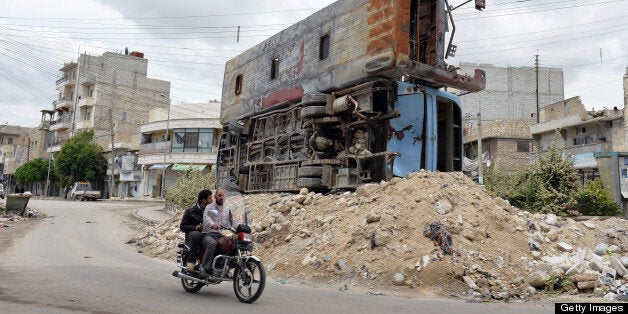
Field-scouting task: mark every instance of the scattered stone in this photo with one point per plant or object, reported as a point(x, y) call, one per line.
point(578, 268)
point(583, 277)
point(443, 207)
point(616, 265)
point(372, 217)
point(588, 224)
point(531, 290)
point(614, 249)
point(470, 282)
point(601, 249)
point(564, 247)
point(367, 190)
point(342, 264)
point(536, 279)
point(583, 285)
point(469, 234)
point(304, 191)
point(624, 261)
point(610, 296)
point(398, 279)
point(551, 219)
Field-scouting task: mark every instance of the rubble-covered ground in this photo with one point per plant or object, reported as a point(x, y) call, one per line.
point(374, 239)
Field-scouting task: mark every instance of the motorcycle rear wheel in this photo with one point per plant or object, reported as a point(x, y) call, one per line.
point(248, 285)
point(191, 286)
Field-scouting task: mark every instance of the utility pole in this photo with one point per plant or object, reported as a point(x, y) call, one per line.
point(480, 159)
point(113, 149)
point(76, 90)
point(166, 150)
point(536, 69)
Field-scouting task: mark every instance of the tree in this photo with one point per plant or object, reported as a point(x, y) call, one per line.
point(35, 170)
point(185, 192)
point(552, 185)
point(80, 160)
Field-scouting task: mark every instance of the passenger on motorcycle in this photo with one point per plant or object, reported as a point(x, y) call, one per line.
point(192, 225)
point(213, 223)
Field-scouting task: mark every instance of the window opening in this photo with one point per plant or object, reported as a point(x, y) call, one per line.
point(324, 47)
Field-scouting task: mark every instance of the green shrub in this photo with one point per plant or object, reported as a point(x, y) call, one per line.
point(185, 192)
point(594, 200)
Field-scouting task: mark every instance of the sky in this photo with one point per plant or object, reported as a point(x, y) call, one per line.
point(187, 42)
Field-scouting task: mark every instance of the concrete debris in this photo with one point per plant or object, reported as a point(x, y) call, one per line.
point(373, 237)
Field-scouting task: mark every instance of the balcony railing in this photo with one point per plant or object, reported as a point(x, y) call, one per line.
point(67, 77)
point(64, 101)
point(587, 148)
point(156, 147)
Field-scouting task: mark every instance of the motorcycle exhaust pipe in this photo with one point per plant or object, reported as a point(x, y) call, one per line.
point(179, 274)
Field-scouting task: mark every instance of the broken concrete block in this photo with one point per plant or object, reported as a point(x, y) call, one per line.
point(615, 264)
point(578, 268)
point(551, 219)
point(600, 249)
point(596, 264)
point(443, 207)
point(564, 247)
point(588, 224)
point(470, 282)
point(614, 249)
point(624, 261)
point(552, 235)
point(583, 285)
point(537, 279)
point(583, 277)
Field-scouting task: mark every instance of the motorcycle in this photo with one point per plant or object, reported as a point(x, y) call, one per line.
point(233, 262)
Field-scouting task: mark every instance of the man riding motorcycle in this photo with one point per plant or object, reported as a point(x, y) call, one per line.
point(192, 225)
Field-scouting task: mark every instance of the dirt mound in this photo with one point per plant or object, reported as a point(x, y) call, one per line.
point(375, 238)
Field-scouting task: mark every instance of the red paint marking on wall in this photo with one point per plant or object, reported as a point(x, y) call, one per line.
point(282, 95)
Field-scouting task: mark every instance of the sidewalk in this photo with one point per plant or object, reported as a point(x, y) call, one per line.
point(153, 213)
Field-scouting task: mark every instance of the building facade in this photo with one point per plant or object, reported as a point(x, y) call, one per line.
point(111, 95)
point(186, 138)
point(596, 140)
point(508, 107)
point(14, 151)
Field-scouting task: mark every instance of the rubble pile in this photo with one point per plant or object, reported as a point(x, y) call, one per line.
point(376, 238)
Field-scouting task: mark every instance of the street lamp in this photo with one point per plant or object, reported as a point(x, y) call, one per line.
point(166, 150)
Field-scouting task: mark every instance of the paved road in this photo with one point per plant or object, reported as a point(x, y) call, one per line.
point(76, 261)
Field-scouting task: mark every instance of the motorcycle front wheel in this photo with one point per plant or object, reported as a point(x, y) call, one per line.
point(249, 281)
point(191, 286)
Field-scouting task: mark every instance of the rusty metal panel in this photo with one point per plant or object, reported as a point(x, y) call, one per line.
point(368, 38)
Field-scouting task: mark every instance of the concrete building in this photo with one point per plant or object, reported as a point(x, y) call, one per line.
point(14, 151)
point(508, 106)
point(597, 140)
point(111, 95)
point(193, 133)
point(510, 93)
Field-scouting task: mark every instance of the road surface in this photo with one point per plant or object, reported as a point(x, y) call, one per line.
point(76, 260)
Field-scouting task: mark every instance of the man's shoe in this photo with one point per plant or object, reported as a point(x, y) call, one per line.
point(190, 266)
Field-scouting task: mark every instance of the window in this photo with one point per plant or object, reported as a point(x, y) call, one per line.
point(122, 115)
point(193, 140)
point(238, 85)
point(90, 93)
point(274, 68)
point(88, 115)
point(323, 51)
point(10, 141)
point(523, 146)
point(581, 130)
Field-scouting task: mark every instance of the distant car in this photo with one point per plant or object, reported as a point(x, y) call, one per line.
point(83, 191)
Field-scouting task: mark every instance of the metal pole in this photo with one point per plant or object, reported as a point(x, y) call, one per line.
point(113, 149)
point(167, 149)
point(48, 177)
point(480, 159)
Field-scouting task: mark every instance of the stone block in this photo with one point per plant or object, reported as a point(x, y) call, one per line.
point(564, 247)
point(583, 277)
point(583, 285)
point(616, 264)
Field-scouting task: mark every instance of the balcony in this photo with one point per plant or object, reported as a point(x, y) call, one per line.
point(56, 145)
point(86, 101)
point(62, 123)
point(87, 124)
point(156, 147)
point(67, 79)
point(63, 102)
point(587, 148)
